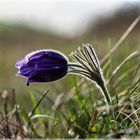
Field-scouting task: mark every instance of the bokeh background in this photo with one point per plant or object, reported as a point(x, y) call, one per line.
point(29, 25)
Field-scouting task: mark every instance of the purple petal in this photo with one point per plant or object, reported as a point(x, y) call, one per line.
point(35, 55)
point(47, 76)
point(21, 62)
point(46, 53)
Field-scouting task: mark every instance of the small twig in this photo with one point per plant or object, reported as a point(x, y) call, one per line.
point(135, 115)
point(3, 134)
point(16, 112)
point(38, 103)
point(6, 128)
point(129, 117)
point(121, 134)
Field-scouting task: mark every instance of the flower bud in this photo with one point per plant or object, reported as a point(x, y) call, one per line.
point(43, 66)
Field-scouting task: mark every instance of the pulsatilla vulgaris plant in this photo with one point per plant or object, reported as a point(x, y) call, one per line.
point(49, 65)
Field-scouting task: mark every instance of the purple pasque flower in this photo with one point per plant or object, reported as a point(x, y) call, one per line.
point(43, 66)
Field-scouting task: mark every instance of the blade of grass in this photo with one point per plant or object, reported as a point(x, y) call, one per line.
point(124, 75)
point(36, 104)
point(130, 57)
point(123, 37)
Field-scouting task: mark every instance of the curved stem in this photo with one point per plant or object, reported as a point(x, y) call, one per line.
point(105, 93)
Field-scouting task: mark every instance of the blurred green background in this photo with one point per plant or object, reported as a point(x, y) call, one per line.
point(18, 39)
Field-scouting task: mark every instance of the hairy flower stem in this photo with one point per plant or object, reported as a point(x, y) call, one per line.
point(105, 93)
